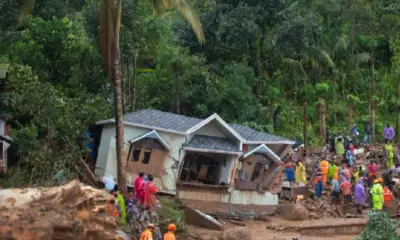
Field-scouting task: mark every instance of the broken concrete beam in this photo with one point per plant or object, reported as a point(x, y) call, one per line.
point(200, 219)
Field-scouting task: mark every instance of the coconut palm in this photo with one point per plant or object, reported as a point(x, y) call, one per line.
point(110, 24)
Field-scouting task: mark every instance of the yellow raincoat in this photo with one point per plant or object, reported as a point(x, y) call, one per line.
point(300, 174)
point(390, 156)
point(377, 196)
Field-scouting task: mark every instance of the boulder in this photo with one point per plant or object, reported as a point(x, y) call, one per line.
point(237, 233)
point(293, 212)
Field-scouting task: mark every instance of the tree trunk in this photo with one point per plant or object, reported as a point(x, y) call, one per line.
point(373, 100)
point(351, 106)
point(134, 82)
point(305, 125)
point(116, 78)
point(177, 89)
point(322, 115)
point(397, 107)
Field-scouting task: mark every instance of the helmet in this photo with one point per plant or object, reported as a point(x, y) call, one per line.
point(380, 180)
point(171, 227)
point(150, 225)
point(288, 165)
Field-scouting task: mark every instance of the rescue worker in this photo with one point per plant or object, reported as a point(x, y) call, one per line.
point(339, 145)
point(289, 173)
point(300, 173)
point(147, 234)
point(387, 198)
point(318, 175)
point(324, 165)
point(377, 195)
point(359, 192)
point(170, 235)
point(333, 170)
point(389, 154)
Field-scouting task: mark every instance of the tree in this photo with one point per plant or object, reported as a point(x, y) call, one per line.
point(110, 23)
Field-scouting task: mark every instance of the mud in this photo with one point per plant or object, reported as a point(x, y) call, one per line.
point(72, 211)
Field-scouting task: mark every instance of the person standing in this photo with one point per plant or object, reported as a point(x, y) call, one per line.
point(349, 157)
point(371, 172)
point(147, 234)
point(138, 187)
point(300, 173)
point(150, 191)
point(389, 154)
point(324, 165)
point(359, 193)
point(346, 186)
point(289, 173)
point(170, 235)
point(377, 195)
point(387, 197)
point(354, 134)
point(318, 175)
point(335, 191)
point(367, 133)
point(339, 146)
point(388, 132)
point(332, 170)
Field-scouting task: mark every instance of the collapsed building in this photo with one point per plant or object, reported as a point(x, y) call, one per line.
point(196, 159)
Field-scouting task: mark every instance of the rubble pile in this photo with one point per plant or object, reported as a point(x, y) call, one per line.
point(72, 211)
point(319, 209)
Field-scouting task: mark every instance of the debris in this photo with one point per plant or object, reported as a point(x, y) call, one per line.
point(72, 211)
point(200, 219)
point(238, 223)
point(237, 233)
point(293, 212)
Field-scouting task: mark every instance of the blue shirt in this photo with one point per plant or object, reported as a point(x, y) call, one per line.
point(335, 185)
point(289, 174)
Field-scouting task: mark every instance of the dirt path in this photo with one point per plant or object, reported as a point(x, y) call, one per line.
point(260, 232)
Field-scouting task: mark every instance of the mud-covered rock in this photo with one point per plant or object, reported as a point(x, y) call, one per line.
point(293, 212)
point(237, 233)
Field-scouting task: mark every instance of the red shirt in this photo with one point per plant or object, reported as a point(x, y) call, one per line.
point(346, 187)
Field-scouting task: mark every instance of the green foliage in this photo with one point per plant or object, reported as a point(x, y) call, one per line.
point(60, 53)
point(380, 226)
point(170, 212)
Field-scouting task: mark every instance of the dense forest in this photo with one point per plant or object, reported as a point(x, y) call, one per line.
point(261, 62)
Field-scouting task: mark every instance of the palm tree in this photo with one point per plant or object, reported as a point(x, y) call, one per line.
point(110, 23)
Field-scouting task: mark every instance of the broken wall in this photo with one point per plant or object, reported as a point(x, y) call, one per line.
point(107, 164)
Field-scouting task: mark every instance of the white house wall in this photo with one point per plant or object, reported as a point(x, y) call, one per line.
point(253, 197)
point(107, 132)
point(107, 156)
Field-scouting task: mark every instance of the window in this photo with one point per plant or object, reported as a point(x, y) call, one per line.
point(146, 157)
point(136, 155)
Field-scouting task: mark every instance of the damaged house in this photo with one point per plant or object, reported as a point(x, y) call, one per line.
point(196, 159)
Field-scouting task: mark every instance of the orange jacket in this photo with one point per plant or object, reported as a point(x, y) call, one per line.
point(324, 165)
point(387, 195)
point(169, 236)
point(146, 235)
point(112, 210)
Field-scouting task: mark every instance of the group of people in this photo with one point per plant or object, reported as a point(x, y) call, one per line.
point(139, 209)
point(344, 179)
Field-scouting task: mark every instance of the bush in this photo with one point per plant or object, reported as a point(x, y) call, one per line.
point(171, 212)
point(379, 227)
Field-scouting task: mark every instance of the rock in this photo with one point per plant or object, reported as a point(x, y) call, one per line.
point(293, 212)
point(237, 233)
